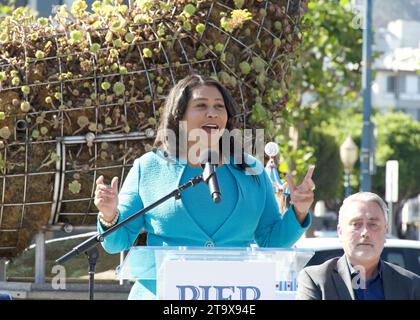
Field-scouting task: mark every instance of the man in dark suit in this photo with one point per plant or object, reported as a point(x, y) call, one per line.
point(359, 274)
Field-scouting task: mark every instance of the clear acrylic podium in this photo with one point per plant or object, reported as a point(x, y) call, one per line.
point(197, 273)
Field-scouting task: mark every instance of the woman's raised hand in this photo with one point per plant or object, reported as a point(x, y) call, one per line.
point(106, 197)
point(302, 196)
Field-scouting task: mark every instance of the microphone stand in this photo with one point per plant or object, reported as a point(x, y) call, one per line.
point(89, 246)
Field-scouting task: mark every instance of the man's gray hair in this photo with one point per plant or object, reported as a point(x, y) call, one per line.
point(364, 197)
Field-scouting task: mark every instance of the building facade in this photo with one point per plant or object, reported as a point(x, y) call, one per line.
point(397, 81)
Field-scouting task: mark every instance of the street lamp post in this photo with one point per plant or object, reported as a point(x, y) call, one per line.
point(348, 155)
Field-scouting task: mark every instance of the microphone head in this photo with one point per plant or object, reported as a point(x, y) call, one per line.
point(209, 156)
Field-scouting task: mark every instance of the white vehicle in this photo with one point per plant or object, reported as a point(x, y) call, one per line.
point(404, 253)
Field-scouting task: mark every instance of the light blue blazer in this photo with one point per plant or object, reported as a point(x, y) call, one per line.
point(255, 217)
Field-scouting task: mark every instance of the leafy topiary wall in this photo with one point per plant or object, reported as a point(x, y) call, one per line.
point(81, 92)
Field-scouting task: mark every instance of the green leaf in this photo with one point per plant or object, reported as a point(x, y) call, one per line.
point(75, 186)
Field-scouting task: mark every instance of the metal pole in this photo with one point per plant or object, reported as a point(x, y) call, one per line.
point(40, 258)
point(348, 190)
point(3, 269)
point(390, 218)
point(367, 99)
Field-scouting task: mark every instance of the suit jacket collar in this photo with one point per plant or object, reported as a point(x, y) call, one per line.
point(342, 280)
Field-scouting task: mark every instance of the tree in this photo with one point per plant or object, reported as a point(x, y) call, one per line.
point(329, 71)
point(326, 79)
point(6, 7)
point(325, 107)
point(328, 169)
point(398, 139)
point(346, 122)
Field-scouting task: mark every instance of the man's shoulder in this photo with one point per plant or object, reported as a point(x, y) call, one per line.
point(402, 273)
point(322, 269)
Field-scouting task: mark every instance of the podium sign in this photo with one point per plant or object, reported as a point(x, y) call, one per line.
point(217, 280)
point(197, 273)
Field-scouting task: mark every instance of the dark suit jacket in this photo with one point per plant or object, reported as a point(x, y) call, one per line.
point(331, 281)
